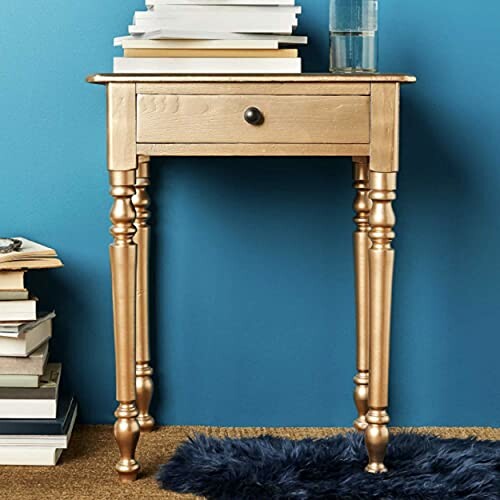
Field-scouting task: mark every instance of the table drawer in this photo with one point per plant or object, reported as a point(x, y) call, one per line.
point(220, 119)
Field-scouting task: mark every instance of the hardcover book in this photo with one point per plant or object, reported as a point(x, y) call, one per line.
point(66, 407)
point(33, 403)
point(37, 449)
point(16, 328)
point(197, 44)
point(34, 364)
point(155, 3)
point(14, 294)
point(206, 65)
point(28, 340)
point(18, 310)
point(19, 380)
point(12, 280)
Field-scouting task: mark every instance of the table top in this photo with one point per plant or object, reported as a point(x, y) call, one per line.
point(104, 79)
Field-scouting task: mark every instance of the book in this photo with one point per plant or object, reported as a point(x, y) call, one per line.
point(14, 294)
point(30, 455)
point(31, 264)
point(42, 440)
point(18, 310)
point(48, 388)
point(66, 407)
point(215, 25)
point(155, 3)
point(206, 65)
point(34, 364)
point(29, 250)
point(30, 256)
point(133, 43)
point(19, 380)
point(43, 449)
point(281, 53)
point(12, 280)
point(33, 403)
point(16, 328)
point(203, 12)
point(31, 336)
point(161, 34)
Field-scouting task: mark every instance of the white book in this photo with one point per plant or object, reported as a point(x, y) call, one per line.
point(29, 455)
point(18, 310)
point(132, 43)
point(28, 340)
point(232, 11)
point(155, 3)
point(164, 34)
point(207, 65)
point(28, 408)
point(214, 24)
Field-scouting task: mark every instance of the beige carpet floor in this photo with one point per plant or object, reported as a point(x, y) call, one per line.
point(86, 469)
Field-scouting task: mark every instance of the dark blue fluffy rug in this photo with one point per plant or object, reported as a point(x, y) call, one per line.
point(265, 468)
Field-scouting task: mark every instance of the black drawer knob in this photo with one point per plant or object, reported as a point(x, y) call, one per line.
point(254, 116)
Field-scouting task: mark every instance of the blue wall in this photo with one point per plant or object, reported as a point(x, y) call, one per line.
point(253, 313)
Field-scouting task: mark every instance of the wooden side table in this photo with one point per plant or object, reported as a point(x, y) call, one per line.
point(289, 115)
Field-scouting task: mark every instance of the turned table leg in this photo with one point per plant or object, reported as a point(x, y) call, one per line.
point(382, 221)
point(123, 254)
point(362, 205)
point(144, 372)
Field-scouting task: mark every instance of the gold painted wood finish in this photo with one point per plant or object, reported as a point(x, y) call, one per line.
point(253, 149)
point(362, 207)
point(254, 88)
point(122, 150)
point(220, 119)
point(104, 79)
point(384, 152)
point(202, 115)
point(144, 372)
point(382, 222)
point(123, 254)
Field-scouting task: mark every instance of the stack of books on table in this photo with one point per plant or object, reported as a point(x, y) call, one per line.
point(212, 36)
point(37, 413)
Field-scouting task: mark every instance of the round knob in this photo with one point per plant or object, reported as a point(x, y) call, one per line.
point(254, 116)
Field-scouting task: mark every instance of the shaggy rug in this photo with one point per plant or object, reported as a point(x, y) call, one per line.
point(420, 467)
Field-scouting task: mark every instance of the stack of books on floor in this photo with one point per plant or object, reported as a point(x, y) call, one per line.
point(37, 413)
point(212, 36)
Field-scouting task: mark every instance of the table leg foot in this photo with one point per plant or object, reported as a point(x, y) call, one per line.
point(144, 389)
point(127, 433)
point(377, 439)
point(128, 477)
point(361, 400)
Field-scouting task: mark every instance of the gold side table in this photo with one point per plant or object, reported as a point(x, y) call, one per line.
point(280, 115)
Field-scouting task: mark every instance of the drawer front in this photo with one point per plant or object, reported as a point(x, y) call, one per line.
point(220, 119)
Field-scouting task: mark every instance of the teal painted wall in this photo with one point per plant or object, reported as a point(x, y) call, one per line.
point(252, 294)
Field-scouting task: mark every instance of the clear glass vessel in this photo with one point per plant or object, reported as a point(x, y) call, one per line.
point(353, 36)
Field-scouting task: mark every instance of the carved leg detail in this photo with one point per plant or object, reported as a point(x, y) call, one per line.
point(127, 434)
point(362, 206)
point(144, 372)
point(382, 221)
point(123, 253)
